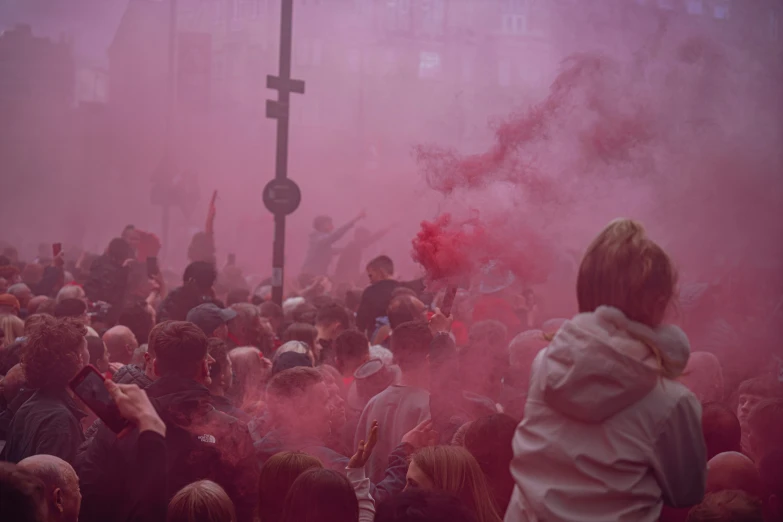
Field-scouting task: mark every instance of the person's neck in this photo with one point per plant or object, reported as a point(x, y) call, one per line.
point(415, 378)
point(216, 390)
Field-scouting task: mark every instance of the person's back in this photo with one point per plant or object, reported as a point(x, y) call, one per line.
point(399, 408)
point(203, 443)
point(608, 434)
point(376, 298)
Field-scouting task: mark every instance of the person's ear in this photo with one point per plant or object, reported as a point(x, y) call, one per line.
point(59, 501)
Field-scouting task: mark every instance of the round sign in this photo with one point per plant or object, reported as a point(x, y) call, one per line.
point(282, 196)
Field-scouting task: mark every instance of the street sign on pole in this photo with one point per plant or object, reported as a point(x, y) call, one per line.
point(282, 196)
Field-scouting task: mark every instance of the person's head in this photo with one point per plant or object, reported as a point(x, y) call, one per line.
point(488, 439)
point(297, 347)
point(55, 351)
point(522, 352)
point(298, 399)
point(36, 302)
point(721, 429)
point(380, 269)
point(179, 348)
point(71, 292)
point(303, 332)
point(485, 359)
point(727, 506)
point(9, 304)
point(351, 351)
point(221, 372)
point(237, 295)
point(119, 251)
point(202, 501)
point(304, 313)
point(753, 391)
point(140, 319)
point(22, 293)
point(417, 505)
point(454, 470)
point(61, 486)
point(13, 383)
point(323, 224)
point(410, 344)
point(200, 275)
point(277, 475)
point(120, 344)
point(765, 427)
point(321, 495)
point(732, 470)
point(251, 371)
point(625, 269)
point(12, 328)
point(99, 355)
point(73, 308)
point(332, 320)
point(771, 473)
point(248, 328)
point(273, 313)
point(212, 319)
point(22, 495)
point(404, 309)
point(704, 377)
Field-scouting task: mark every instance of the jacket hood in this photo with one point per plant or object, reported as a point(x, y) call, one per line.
point(601, 363)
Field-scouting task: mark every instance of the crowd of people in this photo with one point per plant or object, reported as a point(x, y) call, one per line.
point(350, 404)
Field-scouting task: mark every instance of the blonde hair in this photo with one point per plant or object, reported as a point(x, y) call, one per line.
point(12, 327)
point(454, 470)
point(202, 501)
point(625, 269)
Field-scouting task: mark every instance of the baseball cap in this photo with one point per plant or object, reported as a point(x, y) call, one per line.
point(10, 300)
point(209, 317)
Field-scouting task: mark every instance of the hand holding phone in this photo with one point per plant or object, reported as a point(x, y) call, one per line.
point(89, 386)
point(134, 404)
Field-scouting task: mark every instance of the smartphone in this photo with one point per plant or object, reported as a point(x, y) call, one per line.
point(232, 259)
point(56, 249)
point(448, 300)
point(152, 266)
point(88, 386)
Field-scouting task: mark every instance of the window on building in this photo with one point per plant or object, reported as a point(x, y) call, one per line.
point(514, 24)
point(695, 7)
point(721, 12)
point(429, 64)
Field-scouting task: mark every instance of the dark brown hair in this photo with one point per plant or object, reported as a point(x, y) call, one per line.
point(410, 344)
point(303, 332)
point(321, 495)
point(179, 347)
point(277, 475)
point(293, 382)
point(52, 355)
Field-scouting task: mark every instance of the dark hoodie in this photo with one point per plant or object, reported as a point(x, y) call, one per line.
point(203, 443)
point(180, 301)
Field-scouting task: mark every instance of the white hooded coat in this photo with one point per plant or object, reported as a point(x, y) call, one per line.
point(605, 436)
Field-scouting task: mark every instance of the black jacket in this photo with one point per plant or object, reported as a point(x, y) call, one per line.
point(132, 374)
point(107, 282)
point(179, 302)
point(48, 423)
point(203, 443)
point(373, 304)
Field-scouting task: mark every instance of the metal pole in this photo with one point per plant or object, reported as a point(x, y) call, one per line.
point(280, 110)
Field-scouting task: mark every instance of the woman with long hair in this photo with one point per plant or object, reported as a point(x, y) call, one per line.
point(454, 470)
point(277, 475)
point(321, 495)
point(12, 328)
point(202, 501)
point(608, 432)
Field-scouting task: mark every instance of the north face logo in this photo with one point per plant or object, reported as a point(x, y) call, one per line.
point(209, 439)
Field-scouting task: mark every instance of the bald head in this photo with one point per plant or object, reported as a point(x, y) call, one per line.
point(120, 343)
point(733, 471)
point(61, 485)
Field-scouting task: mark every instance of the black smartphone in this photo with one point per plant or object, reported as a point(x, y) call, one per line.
point(152, 266)
point(88, 386)
point(448, 300)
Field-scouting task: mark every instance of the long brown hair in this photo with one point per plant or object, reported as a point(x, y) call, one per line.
point(625, 269)
point(454, 470)
point(277, 476)
point(202, 501)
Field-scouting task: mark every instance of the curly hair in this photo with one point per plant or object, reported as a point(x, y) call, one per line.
point(53, 352)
